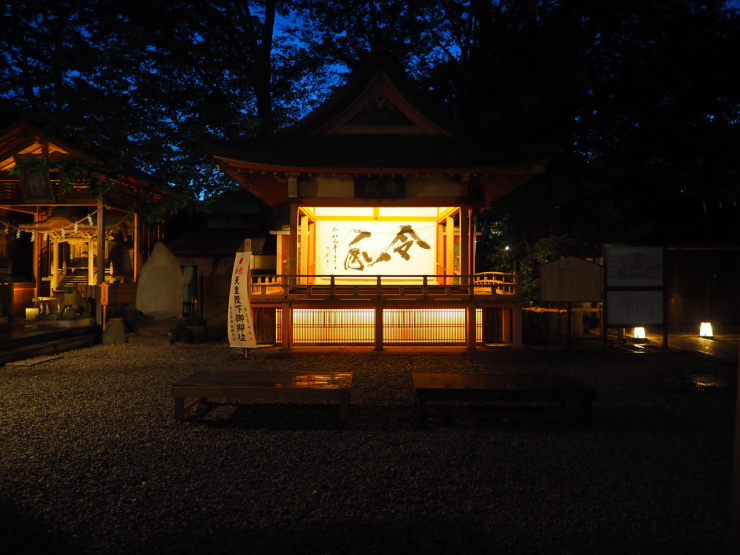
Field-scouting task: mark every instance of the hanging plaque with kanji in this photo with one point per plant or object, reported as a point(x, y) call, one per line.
point(241, 331)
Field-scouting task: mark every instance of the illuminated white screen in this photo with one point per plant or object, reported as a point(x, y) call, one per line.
point(343, 211)
point(408, 211)
point(370, 248)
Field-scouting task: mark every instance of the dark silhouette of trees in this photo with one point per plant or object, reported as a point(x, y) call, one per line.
point(640, 97)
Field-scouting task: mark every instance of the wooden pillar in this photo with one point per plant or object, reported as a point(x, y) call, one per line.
point(304, 248)
point(100, 262)
point(471, 335)
point(464, 243)
point(450, 251)
point(506, 325)
point(516, 325)
point(90, 263)
point(279, 258)
point(311, 262)
point(474, 243)
point(439, 268)
point(54, 253)
point(379, 327)
point(287, 328)
point(37, 257)
point(293, 271)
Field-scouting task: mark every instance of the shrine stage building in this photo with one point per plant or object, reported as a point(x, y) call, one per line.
point(379, 248)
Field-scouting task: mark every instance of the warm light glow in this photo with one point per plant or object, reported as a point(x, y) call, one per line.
point(401, 326)
point(706, 330)
point(639, 333)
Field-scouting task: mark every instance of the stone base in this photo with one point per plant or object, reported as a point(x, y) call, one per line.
point(46, 317)
point(73, 323)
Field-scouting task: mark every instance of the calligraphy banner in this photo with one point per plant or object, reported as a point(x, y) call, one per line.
point(241, 330)
point(370, 248)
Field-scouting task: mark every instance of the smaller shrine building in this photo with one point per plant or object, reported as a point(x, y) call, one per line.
point(50, 238)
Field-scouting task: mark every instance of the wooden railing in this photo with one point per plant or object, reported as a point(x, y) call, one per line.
point(486, 284)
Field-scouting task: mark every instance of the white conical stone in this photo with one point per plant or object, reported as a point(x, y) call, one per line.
point(159, 291)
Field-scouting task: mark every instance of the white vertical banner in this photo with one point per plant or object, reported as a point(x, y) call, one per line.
point(241, 330)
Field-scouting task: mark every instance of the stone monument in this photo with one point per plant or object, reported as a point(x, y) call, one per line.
point(159, 292)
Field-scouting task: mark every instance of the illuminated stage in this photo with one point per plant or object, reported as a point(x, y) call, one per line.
point(378, 198)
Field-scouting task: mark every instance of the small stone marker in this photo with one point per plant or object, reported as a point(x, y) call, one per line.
point(159, 292)
point(115, 332)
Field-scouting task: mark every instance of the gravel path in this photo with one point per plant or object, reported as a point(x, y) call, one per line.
point(92, 461)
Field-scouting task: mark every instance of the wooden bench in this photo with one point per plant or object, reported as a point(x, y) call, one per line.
point(240, 384)
point(500, 387)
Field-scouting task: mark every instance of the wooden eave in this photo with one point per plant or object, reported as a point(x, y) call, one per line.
point(22, 138)
point(270, 183)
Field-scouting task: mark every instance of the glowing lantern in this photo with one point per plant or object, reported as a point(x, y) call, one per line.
point(639, 333)
point(706, 330)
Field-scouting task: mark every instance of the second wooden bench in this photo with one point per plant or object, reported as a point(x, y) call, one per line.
point(240, 384)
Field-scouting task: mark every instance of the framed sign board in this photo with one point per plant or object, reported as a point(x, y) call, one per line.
point(634, 285)
point(380, 186)
point(629, 309)
point(636, 266)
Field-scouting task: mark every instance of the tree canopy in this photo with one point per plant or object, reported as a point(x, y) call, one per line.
point(639, 96)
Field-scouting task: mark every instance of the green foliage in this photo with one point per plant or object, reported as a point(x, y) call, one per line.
point(73, 172)
point(639, 96)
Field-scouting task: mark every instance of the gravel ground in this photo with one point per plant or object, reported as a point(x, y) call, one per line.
point(92, 461)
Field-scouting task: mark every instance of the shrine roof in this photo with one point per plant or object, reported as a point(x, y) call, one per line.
point(353, 153)
point(377, 123)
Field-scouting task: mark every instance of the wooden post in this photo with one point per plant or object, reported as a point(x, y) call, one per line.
point(54, 253)
point(570, 322)
point(464, 244)
point(91, 263)
point(439, 268)
point(471, 335)
point(287, 328)
point(450, 251)
point(100, 262)
point(37, 256)
point(304, 248)
point(516, 325)
point(379, 327)
point(293, 270)
point(311, 258)
point(279, 258)
point(506, 325)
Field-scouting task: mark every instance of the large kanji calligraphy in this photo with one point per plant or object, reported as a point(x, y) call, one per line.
point(240, 328)
point(376, 248)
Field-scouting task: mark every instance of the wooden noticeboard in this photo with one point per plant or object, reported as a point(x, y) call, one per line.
point(570, 279)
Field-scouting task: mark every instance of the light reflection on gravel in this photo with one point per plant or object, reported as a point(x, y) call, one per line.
point(92, 461)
